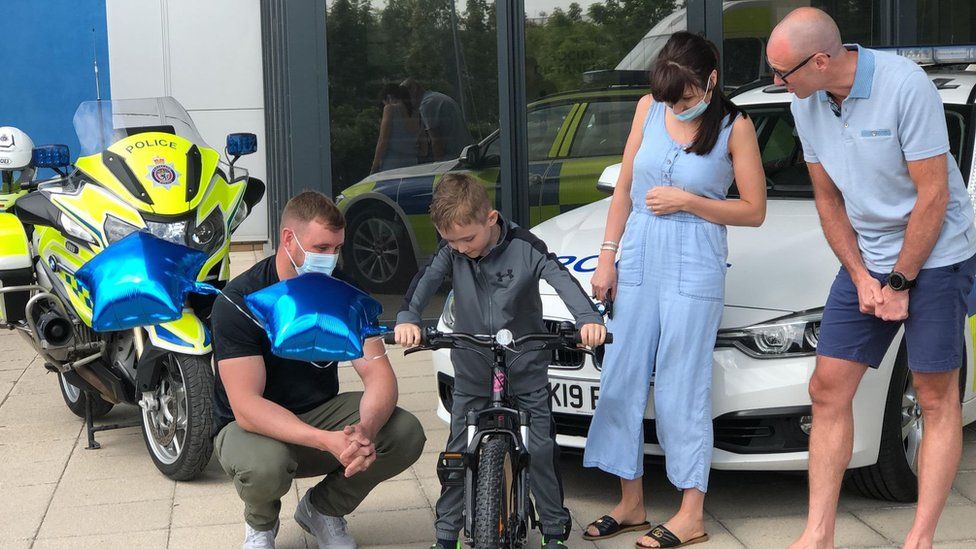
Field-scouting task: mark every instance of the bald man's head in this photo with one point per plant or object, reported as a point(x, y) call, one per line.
point(804, 31)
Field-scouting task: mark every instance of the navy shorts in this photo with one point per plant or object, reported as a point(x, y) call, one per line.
point(934, 329)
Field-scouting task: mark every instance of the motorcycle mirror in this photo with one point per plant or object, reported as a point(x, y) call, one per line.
point(51, 156)
point(241, 144)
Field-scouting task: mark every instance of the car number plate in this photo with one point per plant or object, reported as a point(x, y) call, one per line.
point(574, 397)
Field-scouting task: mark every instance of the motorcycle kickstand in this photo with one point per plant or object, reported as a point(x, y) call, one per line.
point(90, 424)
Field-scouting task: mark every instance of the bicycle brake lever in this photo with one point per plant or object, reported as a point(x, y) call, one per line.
point(417, 349)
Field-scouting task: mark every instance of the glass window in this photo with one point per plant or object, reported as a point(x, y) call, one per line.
point(782, 154)
point(411, 83)
point(746, 27)
point(543, 126)
point(945, 22)
point(603, 129)
point(956, 126)
point(594, 54)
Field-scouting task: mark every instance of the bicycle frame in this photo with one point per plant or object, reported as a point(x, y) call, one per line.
point(499, 418)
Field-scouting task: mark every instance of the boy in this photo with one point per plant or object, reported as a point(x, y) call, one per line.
point(495, 267)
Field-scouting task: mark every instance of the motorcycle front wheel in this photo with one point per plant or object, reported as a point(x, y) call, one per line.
point(177, 416)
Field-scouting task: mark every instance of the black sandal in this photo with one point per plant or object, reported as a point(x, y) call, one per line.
point(608, 528)
point(666, 538)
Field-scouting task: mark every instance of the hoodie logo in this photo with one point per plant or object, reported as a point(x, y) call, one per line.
point(501, 276)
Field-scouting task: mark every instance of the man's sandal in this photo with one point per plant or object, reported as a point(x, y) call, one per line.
point(608, 528)
point(665, 538)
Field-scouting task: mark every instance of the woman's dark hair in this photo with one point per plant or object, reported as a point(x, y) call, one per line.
point(398, 92)
point(688, 60)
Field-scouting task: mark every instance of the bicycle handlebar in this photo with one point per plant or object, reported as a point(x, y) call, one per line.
point(432, 339)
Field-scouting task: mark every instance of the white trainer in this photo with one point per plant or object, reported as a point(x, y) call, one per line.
point(329, 532)
point(257, 539)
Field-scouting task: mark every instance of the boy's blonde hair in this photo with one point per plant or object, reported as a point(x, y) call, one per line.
point(459, 199)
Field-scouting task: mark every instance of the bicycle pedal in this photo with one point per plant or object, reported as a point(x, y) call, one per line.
point(451, 467)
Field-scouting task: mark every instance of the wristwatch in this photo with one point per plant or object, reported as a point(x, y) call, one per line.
point(900, 282)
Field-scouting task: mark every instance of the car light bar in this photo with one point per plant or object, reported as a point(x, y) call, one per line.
point(936, 55)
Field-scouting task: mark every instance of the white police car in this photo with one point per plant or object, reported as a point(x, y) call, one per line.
point(776, 287)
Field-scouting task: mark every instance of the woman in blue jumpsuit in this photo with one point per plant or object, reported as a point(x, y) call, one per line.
point(668, 213)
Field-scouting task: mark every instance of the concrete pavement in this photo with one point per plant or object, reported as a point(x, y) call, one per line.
point(55, 493)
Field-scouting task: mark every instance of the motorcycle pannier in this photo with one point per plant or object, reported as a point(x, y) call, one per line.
point(15, 267)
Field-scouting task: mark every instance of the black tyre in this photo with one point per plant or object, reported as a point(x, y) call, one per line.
point(378, 253)
point(895, 476)
point(495, 495)
point(176, 423)
point(75, 398)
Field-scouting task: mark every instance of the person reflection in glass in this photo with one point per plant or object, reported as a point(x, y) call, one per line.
point(397, 145)
point(442, 121)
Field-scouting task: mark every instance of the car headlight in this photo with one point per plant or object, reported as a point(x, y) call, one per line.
point(116, 229)
point(75, 229)
point(794, 335)
point(208, 235)
point(172, 231)
point(448, 315)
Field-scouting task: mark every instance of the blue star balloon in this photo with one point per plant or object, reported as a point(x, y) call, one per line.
point(315, 317)
point(141, 280)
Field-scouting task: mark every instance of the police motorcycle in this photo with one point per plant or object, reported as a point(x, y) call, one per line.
point(145, 194)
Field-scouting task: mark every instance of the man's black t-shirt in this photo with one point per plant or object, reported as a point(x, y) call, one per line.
point(295, 385)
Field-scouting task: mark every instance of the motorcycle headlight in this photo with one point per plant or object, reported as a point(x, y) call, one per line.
point(239, 216)
point(208, 235)
point(448, 314)
point(116, 229)
point(75, 229)
point(172, 231)
point(791, 336)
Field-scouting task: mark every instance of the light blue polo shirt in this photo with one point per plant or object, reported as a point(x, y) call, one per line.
point(893, 114)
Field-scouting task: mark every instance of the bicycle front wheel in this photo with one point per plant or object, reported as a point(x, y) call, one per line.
point(495, 519)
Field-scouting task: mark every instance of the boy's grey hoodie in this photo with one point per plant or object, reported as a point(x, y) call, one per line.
point(499, 290)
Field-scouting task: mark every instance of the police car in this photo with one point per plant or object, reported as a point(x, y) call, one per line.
point(776, 286)
point(572, 137)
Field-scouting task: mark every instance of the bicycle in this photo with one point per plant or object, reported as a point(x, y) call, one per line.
point(494, 470)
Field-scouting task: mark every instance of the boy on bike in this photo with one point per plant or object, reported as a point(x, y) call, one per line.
point(495, 267)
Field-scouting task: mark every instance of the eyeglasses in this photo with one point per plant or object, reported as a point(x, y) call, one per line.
point(782, 75)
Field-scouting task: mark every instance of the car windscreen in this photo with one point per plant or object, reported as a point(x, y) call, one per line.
point(782, 153)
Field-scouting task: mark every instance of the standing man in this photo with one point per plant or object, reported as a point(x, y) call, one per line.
point(895, 210)
point(441, 118)
point(277, 419)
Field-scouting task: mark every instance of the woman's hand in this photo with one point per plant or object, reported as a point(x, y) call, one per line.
point(605, 277)
point(666, 200)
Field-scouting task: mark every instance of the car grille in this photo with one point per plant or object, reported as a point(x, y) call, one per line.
point(579, 425)
point(563, 359)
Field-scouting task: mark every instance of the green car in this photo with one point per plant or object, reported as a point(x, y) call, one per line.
point(572, 137)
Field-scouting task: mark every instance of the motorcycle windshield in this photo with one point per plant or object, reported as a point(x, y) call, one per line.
point(99, 124)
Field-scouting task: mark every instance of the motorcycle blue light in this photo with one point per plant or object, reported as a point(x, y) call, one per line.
point(240, 144)
point(51, 156)
point(315, 317)
point(141, 280)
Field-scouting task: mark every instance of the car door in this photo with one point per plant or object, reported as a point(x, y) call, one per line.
point(547, 125)
point(595, 139)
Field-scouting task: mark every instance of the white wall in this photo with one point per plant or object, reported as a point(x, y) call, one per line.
point(208, 56)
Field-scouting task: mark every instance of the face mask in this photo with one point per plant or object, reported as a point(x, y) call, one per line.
point(696, 111)
point(314, 262)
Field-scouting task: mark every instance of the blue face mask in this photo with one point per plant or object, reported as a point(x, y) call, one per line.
point(314, 262)
point(696, 111)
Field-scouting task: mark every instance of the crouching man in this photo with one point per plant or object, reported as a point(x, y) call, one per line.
point(277, 419)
